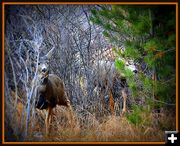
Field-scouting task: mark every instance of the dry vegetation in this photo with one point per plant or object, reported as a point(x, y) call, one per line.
point(31, 31)
point(85, 127)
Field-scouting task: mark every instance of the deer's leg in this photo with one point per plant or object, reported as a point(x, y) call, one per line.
point(70, 112)
point(124, 95)
point(48, 119)
point(111, 103)
point(102, 98)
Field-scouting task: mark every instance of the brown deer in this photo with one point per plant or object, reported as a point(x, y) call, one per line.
point(50, 91)
point(106, 79)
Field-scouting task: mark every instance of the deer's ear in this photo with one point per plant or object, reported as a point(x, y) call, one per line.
point(49, 54)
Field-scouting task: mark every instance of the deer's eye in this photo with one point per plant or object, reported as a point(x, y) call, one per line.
point(39, 63)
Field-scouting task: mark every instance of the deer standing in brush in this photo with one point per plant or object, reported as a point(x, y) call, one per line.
point(50, 91)
point(107, 79)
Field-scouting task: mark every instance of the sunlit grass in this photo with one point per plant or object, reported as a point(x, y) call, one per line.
point(86, 126)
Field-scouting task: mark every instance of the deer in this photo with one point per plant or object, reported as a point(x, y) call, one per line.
point(49, 91)
point(106, 78)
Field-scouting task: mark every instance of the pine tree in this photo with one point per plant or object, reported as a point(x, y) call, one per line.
point(149, 37)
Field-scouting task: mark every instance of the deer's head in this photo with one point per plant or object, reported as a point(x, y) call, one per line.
point(43, 67)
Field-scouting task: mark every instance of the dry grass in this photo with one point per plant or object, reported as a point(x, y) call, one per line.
point(85, 127)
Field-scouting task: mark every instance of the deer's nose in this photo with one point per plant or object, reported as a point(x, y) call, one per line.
point(44, 70)
point(135, 71)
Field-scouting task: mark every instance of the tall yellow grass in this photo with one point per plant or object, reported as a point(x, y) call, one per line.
point(86, 126)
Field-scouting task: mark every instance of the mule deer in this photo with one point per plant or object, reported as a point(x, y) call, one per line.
point(50, 90)
point(106, 79)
